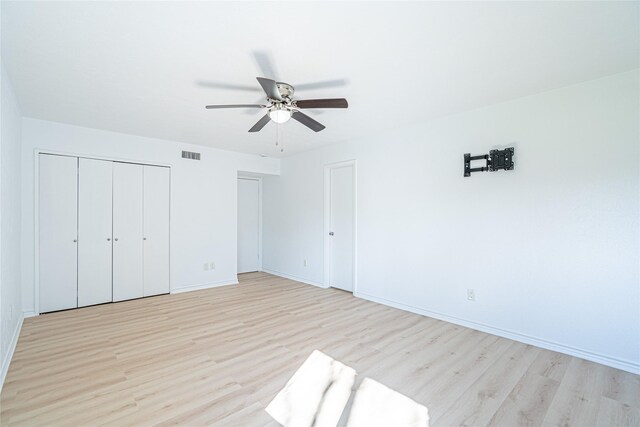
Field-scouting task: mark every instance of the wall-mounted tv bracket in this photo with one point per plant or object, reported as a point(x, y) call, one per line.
point(494, 161)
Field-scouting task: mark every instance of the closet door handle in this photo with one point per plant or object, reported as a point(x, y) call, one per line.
point(75, 240)
point(116, 239)
point(144, 238)
point(108, 239)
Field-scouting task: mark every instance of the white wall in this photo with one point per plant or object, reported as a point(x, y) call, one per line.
point(203, 197)
point(551, 248)
point(10, 292)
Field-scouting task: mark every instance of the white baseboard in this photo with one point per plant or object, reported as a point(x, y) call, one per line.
point(296, 278)
point(204, 286)
point(12, 348)
point(625, 365)
point(29, 314)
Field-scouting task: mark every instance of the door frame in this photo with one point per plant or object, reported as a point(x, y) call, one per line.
point(327, 220)
point(251, 178)
point(36, 210)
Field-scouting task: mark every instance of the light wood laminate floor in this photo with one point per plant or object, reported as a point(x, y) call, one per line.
point(218, 356)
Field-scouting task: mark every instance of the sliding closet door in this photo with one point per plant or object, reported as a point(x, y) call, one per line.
point(156, 230)
point(94, 232)
point(127, 231)
point(58, 232)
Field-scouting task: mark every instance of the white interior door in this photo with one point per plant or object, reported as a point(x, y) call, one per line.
point(248, 225)
point(341, 227)
point(127, 231)
point(94, 232)
point(58, 232)
point(156, 230)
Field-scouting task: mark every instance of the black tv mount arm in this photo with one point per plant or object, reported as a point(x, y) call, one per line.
point(494, 161)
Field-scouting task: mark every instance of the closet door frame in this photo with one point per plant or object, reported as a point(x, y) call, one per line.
point(36, 209)
point(259, 179)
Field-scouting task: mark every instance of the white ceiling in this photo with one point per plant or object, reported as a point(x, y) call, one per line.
point(148, 68)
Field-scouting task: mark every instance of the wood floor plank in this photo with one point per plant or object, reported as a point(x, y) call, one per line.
point(483, 398)
point(527, 403)
point(577, 400)
point(614, 413)
point(218, 357)
point(622, 386)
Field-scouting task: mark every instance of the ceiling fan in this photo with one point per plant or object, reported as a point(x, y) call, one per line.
point(283, 107)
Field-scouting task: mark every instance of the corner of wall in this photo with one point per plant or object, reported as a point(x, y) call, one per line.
point(11, 316)
point(6, 360)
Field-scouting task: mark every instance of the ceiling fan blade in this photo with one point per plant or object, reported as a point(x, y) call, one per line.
point(230, 86)
point(254, 111)
point(263, 60)
point(307, 121)
point(322, 103)
point(213, 107)
point(261, 123)
point(270, 88)
point(321, 85)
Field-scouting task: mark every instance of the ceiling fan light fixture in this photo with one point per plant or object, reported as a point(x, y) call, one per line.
point(281, 106)
point(279, 114)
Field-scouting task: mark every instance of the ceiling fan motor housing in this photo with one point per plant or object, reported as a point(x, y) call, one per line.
point(285, 89)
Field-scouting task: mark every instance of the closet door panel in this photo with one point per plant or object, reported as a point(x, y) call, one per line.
point(127, 231)
point(58, 228)
point(156, 230)
point(94, 232)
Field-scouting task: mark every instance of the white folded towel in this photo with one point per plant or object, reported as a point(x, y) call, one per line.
point(376, 405)
point(316, 394)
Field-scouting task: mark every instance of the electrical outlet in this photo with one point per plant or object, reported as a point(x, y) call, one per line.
point(205, 267)
point(212, 265)
point(471, 294)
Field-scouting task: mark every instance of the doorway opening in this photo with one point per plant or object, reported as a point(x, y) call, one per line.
point(340, 225)
point(249, 224)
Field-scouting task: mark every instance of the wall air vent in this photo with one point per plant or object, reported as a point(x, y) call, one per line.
point(190, 155)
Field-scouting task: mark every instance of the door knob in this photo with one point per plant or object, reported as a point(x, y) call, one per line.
point(108, 239)
point(144, 238)
point(116, 239)
point(75, 240)
point(331, 233)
